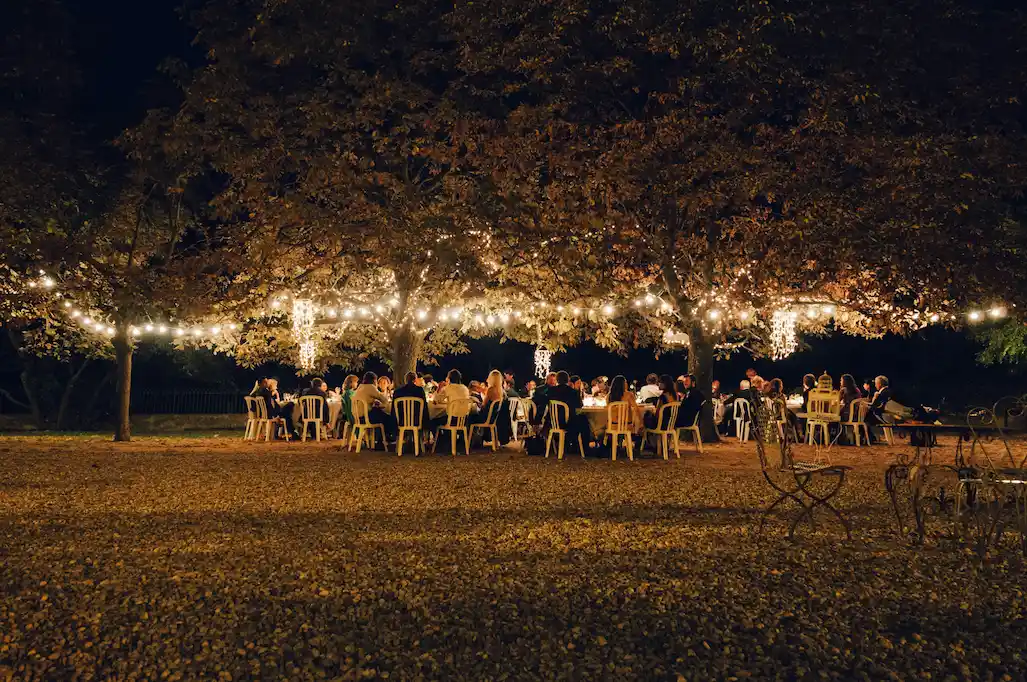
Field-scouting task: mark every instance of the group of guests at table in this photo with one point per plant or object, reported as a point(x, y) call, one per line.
point(755, 388)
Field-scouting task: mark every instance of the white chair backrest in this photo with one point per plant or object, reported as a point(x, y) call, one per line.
point(360, 412)
point(618, 416)
point(408, 411)
point(493, 412)
point(261, 407)
point(559, 413)
point(667, 417)
point(858, 410)
point(742, 409)
point(457, 411)
point(522, 408)
point(250, 409)
point(698, 415)
point(312, 408)
point(824, 403)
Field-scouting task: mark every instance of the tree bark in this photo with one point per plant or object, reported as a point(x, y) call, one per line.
point(69, 392)
point(27, 385)
point(700, 363)
point(123, 356)
point(406, 345)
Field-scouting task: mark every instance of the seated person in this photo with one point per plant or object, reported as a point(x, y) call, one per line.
point(539, 396)
point(651, 391)
point(619, 393)
point(809, 382)
point(410, 389)
point(880, 401)
point(378, 405)
point(692, 402)
point(267, 389)
point(668, 394)
point(510, 384)
point(848, 394)
point(577, 424)
point(453, 389)
point(476, 393)
point(715, 390)
point(317, 388)
point(490, 392)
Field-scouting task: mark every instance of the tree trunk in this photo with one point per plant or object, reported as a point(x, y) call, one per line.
point(123, 355)
point(406, 345)
point(700, 363)
point(69, 392)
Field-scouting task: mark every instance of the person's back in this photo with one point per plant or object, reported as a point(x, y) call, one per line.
point(411, 390)
point(453, 390)
point(369, 393)
point(317, 388)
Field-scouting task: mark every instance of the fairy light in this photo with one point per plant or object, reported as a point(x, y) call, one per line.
point(303, 330)
point(997, 312)
point(744, 315)
point(811, 312)
point(162, 329)
point(233, 326)
point(179, 332)
point(543, 361)
point(714, 314)
point(607, 309)
point(935, 317)
point(974, 316)
point(148, 327)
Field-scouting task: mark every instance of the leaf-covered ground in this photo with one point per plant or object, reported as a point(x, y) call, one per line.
point(213, 559)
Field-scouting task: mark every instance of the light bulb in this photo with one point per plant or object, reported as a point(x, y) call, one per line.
point(75, 313)
point(162, 329)
point(110, 331)
point(196, 332)
point(179, 332)
point(664, 306)
point(714, 314)
point(443, 316)
point(744, 315)
point(215, 330)
point(829, 310)
point(811, 313)
point(149, 327)
point(517, 314)
point(575, 310)
point(134, 331)
point(276, 304)
point(364, 312)
point(637, 302)
point(421, 314)
point(347, 313)
point(559, 308)
point(607, 309)
point(974, 316)
point(504, 318)
point(997, 312)
point(67, 304)
point(32, 285)
point(478, 319)
point(490, 319)
point(233, 326)
point(649, 299)
point(456, 313)
point(935, 317)
point(332, 313)
point(47, 282)
point(87, 321)
point(378, 309)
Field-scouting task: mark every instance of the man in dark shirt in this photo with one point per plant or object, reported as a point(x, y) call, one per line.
point(577, 423)
point(691, 403)
point(511, 386)
point(410, 389)
point(274, 408)
point(317, 388)
point(539, 396)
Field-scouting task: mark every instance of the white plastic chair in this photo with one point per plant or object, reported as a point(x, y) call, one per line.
point(743, 418)
point(362, 426)
point(489, 425)
point(667, 414)
point(456, 424)
point(251, 419)
point(556, 409)
point(521, 411)
point(824, 408)
point(858, 421)
point(312, 413)
point(694, 428)
point(409, 418)
point(618, 424)
point(265, 422)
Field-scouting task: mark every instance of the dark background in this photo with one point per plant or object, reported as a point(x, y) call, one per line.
point(119, 47)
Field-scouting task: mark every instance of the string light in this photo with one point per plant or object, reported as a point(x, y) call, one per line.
point(974, 316)
point(543, 361)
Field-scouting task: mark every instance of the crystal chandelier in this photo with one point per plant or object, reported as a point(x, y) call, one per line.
point(303, 331)
point(782, 334)
point(543, 361)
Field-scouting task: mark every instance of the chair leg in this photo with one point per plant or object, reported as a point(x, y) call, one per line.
point(677, 444)
point(581, 447)
point(467, 442)
point(549, 443)
point(559, 445)
point(631, 447)
point(613, 446)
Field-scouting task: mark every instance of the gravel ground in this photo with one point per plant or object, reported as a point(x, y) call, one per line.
point(213, 559)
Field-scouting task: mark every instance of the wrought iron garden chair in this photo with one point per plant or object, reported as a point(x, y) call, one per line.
point(809, 485)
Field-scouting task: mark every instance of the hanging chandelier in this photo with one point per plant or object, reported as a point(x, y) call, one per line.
point(783, 341)
point(303, 331)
